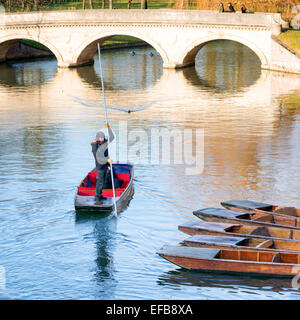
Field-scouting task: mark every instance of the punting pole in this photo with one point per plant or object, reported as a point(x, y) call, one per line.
point(103, 91)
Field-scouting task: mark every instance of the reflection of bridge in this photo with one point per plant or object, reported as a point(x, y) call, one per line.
point(177, 35)
point(185, 95)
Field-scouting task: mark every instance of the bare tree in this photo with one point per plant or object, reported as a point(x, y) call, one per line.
point(111, 4)
point(103, 4)
point(83, 4)
point(91, 4)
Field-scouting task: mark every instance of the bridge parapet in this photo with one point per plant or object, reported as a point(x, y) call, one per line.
point(163, 16)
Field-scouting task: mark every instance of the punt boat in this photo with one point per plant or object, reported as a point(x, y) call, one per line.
point(233, 261)
point(242, 243)
point(85, 195)
point(249, 205)
point(240, 230)
point(248, 218)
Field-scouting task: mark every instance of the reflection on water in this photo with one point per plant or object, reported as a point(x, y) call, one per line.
point(224, 66)
point(251, 122)
point(147, 69)
point(41, 146)
point(27, 74)
point(105, 234)
point(235, 287)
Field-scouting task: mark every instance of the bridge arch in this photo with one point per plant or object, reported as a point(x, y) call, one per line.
point(188, 55)
point(84, 54)
point(7, 42)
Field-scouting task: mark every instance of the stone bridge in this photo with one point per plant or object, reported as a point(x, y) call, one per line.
point(177, 35)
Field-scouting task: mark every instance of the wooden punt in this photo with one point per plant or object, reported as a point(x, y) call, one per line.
point(233, 261)
point(85, 195)
point(249, 218)
point(242, 243)
point(240, 230)
point(253, 206)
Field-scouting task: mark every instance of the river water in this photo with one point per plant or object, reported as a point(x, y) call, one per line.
point(248, 122)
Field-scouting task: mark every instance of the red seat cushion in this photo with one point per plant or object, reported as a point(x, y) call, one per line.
point(125, 177)
point(109, 192)
point(91, 192)
point(85, 191)
point(92, 176)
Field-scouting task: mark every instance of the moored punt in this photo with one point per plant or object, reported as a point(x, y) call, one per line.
point(85, 196)
point(225, 260)
point(249, 205)
point(249, 218)
point(226, 229)
point(242, 243)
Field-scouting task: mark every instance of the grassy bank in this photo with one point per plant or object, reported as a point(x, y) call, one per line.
point(34, 44)
point(120, 40)
point(292, 39)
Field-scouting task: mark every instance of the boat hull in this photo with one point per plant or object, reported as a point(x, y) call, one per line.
point(252, 206)
point(193, 260)
point(232, 216)
point(239, 243)
point(239, 230)
point(87, 203)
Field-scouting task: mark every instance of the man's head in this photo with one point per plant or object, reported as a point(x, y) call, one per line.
point(100, 136)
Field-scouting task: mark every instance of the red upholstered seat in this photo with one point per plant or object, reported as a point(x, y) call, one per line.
point(92, 176)
point(91, 189)
point(91, 192)
point(125, 177)
point(86, 191)
point(109, 192)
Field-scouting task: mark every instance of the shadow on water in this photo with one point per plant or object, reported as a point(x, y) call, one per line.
point(87, 216)
point(183, 277)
